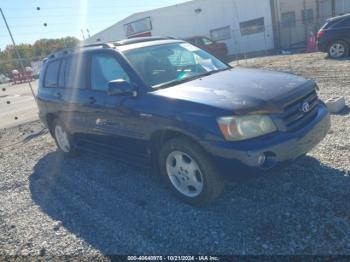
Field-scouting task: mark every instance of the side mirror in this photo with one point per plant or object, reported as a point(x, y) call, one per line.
point(120, 87)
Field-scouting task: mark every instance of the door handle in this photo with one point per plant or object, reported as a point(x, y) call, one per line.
point(58, 95)
point(92, 100)
point(103, 122)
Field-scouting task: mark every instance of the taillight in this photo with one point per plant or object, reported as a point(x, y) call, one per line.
point(320, 34)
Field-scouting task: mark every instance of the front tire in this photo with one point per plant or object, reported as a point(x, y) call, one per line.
point(338, 49)
point(189, 172)
point(63, 138)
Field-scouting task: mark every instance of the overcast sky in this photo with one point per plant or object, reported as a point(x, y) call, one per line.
point(67, 17)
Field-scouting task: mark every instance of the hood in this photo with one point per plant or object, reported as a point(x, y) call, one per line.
point(242, 90)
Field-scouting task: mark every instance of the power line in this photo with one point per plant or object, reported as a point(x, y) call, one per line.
point(108, 23)
point(95, 6)
point(65, 15)
point(78, 7)
point(43, 32)
point(70, 15)
point(64, 23)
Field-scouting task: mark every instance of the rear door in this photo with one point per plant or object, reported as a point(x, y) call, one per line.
point(76, 98)
point(49, 94)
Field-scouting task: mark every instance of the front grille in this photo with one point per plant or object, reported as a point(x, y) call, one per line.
point(293, 116)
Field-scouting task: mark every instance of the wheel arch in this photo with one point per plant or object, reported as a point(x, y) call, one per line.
point(159, 137)
point(214, 185)
point(50, 117)
point(331, 42)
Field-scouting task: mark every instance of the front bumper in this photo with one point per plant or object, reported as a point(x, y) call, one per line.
point(278, 148)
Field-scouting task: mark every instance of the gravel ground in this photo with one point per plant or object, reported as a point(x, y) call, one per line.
point(93, 206)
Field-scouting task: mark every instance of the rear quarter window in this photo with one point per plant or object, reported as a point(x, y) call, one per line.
point(51, 75)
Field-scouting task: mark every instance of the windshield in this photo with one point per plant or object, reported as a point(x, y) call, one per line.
point(162, 65)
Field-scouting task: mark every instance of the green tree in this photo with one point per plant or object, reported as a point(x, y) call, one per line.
point(38, 51)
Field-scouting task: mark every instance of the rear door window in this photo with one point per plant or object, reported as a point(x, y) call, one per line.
point(51, 76)
point(61, 79)
point(75, 72)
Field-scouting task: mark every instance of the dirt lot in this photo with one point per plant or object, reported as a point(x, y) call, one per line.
point(93, 206)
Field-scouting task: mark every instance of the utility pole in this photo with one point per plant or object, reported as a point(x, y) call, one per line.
point(318, 12)
point(82, 32)
point(306, 22)
point(333, 8)
point(275, 24)
point(16, 50)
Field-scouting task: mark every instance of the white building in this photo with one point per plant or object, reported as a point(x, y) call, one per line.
point(244, 25)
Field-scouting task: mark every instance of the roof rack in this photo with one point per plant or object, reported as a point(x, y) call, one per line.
point(109, 44)
point(58, 53)
point(141, 40)
point(71, 50)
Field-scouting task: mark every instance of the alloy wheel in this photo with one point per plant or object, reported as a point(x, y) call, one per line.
point(62, 139)
point(337, 50)
point(184, 174)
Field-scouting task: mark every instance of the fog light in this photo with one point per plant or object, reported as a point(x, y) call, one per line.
point(261, 159)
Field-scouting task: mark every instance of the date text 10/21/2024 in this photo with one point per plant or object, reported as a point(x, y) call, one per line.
point(173, 258)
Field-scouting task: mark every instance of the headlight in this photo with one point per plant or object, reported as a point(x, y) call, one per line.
point(238, 128)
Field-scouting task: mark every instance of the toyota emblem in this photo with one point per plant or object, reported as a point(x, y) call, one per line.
point(305, 107)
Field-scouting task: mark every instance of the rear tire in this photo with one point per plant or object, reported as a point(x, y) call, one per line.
point(63, 139)
point(338, 49)
point(189, 172)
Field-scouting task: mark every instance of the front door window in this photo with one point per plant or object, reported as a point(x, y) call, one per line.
point(105, 68)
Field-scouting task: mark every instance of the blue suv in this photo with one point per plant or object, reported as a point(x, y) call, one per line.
point(169, 104)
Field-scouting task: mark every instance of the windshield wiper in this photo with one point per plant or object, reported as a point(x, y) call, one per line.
point(187, 79)
point(177, 81)
point(216, 71)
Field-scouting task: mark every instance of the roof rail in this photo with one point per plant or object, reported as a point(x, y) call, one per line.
point(61, 52)
point(71, 50)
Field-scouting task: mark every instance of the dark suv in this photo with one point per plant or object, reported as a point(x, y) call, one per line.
point(170, 104)
point(334, 37)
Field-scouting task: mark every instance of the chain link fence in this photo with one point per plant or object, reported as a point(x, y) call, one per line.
point(296, 38)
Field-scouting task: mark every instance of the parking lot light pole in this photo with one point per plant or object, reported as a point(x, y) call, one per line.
point(16, 50)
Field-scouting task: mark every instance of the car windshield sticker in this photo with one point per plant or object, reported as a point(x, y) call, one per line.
point(190, 47)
